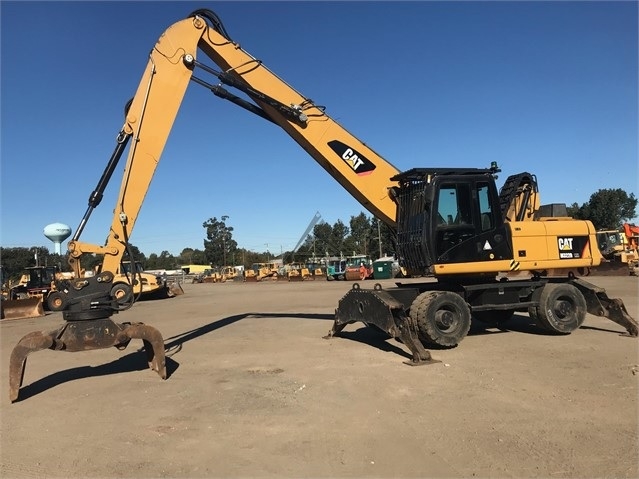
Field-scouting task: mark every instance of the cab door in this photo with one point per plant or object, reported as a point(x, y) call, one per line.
point(467, 225)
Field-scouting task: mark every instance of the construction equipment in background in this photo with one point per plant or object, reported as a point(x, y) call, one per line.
point(211, 275)
point(131, 281)
point(261, 272)
point(21, 308)
point(335, 268)
point(297, 272)
point(452, 225)
point(631, 253)
point(29, 296)
point(317, 269)
point(230, 273)
point(358, 268)
point(218, 275)
point(619, 250)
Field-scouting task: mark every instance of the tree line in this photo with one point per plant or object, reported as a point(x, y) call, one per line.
point(606, 208)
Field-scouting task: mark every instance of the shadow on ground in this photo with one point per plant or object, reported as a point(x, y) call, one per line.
point(372, 336)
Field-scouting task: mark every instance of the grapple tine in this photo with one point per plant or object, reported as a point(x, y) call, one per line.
point(153, 345)
point(30, 343)
point(83, 336)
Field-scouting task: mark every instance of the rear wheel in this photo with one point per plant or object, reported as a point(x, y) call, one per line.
point(122, 292)
point(562, 308)
point(443, 317)
point(56, 301)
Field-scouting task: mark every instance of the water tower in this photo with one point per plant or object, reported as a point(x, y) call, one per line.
point(57, 232)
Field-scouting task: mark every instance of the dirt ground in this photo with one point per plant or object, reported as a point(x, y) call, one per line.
point(254, 391)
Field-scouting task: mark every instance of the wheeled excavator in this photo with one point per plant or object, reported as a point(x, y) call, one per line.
point(491, 253)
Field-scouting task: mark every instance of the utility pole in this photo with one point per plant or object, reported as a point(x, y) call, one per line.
point(379, 238)
point(224, 249)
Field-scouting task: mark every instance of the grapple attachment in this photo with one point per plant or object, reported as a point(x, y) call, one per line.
point(82, 336)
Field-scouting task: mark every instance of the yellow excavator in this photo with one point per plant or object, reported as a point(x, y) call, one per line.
point(492, 252)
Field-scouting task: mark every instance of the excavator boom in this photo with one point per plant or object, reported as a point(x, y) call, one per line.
point(172, 65)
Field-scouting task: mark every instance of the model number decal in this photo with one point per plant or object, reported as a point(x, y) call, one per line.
point(353, 158)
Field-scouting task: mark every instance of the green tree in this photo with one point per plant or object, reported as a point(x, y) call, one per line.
point(382, 235)
point(89, 261)
point(152, 262)
point(322, 233)
point(360, 235)
point(137, 254)
point(574, 211)
point(337, 241)
point(164, 260)
point(14, 260)
point(607, 208)
point(192, 256)
point(219, 245)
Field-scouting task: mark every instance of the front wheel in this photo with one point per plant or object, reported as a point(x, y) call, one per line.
point(442, 317)
point(562, 308)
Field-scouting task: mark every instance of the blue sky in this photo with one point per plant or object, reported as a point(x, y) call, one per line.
point(545, 87)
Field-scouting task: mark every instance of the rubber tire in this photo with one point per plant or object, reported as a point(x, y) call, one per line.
point(56, 301)
point(496, 316)
point(562, 308)
point(122, 292)
point(533, 311)
point(427, 309)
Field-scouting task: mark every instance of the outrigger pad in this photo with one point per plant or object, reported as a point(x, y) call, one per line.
point(82, 336)
point(378, 308)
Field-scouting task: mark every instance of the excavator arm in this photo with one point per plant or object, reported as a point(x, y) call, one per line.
point(88, 303)
point(172, 65)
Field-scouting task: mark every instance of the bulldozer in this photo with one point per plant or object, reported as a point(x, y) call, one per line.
point(230, 273)
point(297, 272)
point(260, 272)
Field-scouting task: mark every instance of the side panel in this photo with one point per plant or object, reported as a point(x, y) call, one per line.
point(555, 244)
point(537, 246)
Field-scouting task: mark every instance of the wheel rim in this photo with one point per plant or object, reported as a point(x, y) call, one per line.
point(564, 309)
point(446, 320)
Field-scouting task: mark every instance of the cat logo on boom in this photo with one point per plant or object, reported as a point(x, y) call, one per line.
point(358, 162)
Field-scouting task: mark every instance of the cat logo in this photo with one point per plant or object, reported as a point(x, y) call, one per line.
point(565, 244)
point(358, 162)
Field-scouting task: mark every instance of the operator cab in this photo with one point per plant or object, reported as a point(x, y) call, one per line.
point(449, 215)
